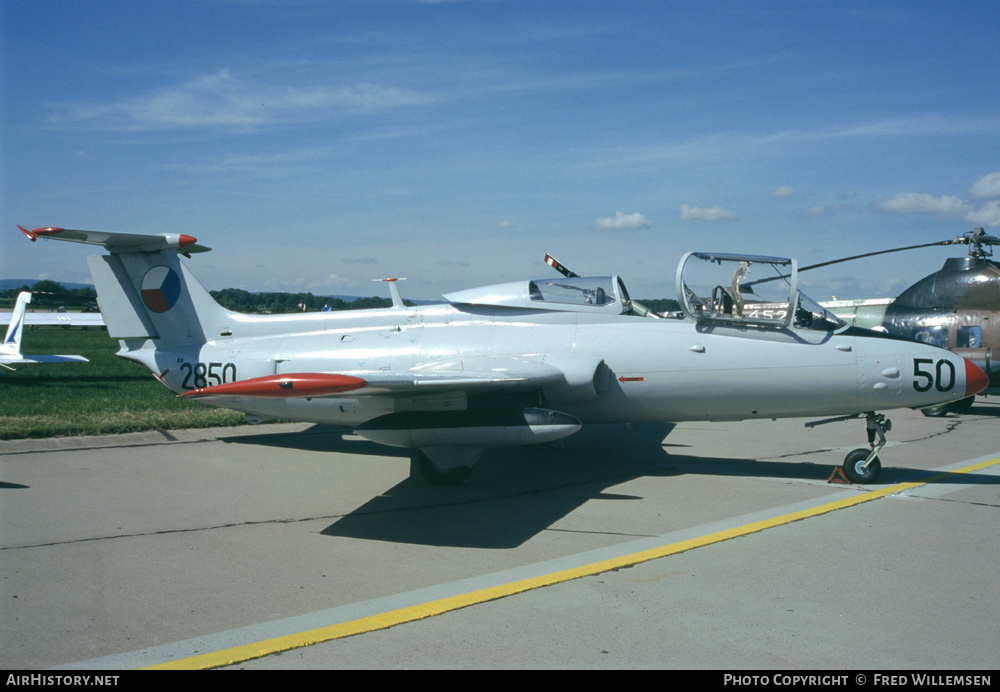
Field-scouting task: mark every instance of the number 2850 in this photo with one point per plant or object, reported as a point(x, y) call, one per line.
point(199, 375)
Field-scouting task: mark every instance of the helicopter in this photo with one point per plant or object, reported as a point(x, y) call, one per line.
point(957, 307)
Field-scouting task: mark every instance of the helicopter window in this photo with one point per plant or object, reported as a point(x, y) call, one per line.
point(575, 291)
point(935, 336)
point(969, 337)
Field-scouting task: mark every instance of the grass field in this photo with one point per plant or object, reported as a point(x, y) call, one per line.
point(106, 395)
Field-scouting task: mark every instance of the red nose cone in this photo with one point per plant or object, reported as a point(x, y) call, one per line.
point(186, 240)
point(975, 379)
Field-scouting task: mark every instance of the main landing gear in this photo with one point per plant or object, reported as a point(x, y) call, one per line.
point(863, 465)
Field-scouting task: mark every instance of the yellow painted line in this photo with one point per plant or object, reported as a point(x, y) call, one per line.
point(391, 618)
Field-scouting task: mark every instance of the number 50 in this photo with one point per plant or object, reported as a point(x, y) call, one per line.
point(941, 377)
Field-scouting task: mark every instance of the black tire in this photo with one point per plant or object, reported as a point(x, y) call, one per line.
point(436, 476)
point(935, 411)
point(852, 467)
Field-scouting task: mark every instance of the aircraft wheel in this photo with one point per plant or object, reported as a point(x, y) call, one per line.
point(935, 411)
point(852, 467)
point(454, 476)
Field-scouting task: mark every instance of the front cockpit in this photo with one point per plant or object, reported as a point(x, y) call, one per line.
point(748, 290)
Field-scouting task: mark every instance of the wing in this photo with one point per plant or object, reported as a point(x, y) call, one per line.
point(72, 319)
point(48, 359)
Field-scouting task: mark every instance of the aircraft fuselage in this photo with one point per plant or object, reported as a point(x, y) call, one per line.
point(616, 368)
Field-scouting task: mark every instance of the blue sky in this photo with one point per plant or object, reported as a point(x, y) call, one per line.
point(319, 145)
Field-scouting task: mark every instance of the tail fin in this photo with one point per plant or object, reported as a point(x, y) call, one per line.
point(143, 289)
point(12, 341)
point(153, 295)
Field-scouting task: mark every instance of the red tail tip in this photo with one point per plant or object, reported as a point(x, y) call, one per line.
point(186, 240)
point(33, 234)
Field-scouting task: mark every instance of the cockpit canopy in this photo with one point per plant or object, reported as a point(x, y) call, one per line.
point(603, 294)
point(711, 287)
point(747, 290)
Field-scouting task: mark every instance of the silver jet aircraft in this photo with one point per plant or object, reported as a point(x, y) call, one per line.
point(519, 363)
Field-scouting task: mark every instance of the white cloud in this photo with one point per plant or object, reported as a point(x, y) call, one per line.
point(716, 213)
point(814, 211)
point(224, 101)
point(507, 224)
point(623, 222)
point(988, 215)
point(920, 203)
point(334, 281)
point(987, 187)
point(783, 191)
point(946, 205)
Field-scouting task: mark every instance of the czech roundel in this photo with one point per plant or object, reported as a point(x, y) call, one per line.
point(161, 287)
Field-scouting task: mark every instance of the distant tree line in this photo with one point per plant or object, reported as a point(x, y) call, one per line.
point(51, 294)
point(238, 300)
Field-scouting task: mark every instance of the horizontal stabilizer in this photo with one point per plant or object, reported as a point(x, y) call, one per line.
point(120, 242)
point(282, 386)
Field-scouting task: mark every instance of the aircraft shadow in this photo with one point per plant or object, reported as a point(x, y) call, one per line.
point(319, 438)
point(516, 493)
point(984, 409)
point(513, 494)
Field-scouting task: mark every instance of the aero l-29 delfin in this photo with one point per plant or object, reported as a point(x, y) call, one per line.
point(519, 363)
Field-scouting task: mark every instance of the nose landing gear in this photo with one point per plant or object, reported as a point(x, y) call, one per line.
point(863, 465)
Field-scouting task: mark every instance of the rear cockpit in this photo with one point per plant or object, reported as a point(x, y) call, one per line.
point(601, 294)
point(748, 290)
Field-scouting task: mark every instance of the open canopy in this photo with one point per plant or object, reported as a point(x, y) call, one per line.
point(747, 290)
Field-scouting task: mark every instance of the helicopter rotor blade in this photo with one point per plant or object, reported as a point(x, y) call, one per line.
point(977, 238)
point(880, 252)
point(748, 286)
